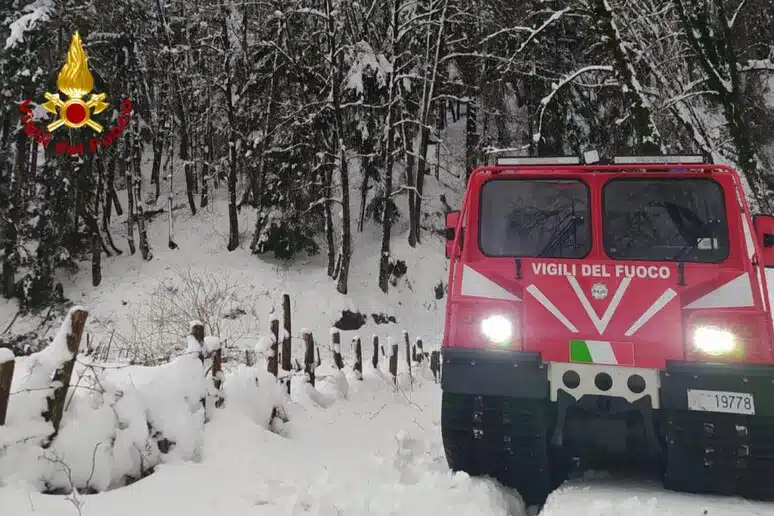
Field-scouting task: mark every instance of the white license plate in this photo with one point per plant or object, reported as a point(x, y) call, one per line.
point(721, 401)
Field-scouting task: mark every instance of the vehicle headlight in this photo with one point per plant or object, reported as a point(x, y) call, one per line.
point(713, 340)
point(497, 329)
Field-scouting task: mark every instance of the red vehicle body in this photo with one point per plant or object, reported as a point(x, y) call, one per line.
point(608, 311)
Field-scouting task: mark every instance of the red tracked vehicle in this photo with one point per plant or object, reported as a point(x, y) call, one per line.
point(609, 313)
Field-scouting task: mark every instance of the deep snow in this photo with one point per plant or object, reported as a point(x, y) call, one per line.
point(350, 448)
point(377, 453)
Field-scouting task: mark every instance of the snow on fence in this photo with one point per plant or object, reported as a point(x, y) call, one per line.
point(70, 421)
point(277, 348)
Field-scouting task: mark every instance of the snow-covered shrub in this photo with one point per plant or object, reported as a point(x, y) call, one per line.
point(158, 326)
point(119, 423)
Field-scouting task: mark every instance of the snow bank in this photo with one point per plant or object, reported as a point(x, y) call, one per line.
point(119, 422)
point(122, 421)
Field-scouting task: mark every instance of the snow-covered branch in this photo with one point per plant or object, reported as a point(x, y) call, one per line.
point(557, 87)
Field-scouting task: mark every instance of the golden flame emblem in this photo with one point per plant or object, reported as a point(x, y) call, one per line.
point(75, 82)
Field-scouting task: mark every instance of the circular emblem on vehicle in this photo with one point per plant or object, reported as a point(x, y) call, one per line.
point(599, 291)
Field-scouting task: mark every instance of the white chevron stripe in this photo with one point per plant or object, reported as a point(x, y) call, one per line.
point(734, 294)
point(548, 305)
point(600, 324)
point(476, 284)
point(655, 308)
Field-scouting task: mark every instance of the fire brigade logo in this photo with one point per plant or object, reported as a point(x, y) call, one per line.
point(74, 106)
point(75, 82)
point(599, 291)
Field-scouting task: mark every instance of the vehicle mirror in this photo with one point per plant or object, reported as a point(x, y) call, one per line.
point(764, 232)
point(452, 218)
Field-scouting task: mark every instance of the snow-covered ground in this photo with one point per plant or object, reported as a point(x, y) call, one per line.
point(349, 448)
point(376, 453)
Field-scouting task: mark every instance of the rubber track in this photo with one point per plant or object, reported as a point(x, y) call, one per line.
point(501, 437)
point(724, 454)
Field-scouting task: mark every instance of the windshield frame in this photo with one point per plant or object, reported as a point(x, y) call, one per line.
point(691, 178)
point(538, 179)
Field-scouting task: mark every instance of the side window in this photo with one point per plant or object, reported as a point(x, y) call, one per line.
point(545, 218)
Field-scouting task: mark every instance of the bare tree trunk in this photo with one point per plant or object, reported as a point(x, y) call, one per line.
point(426, 106)
point(471, 138)
point(233, 221)
point(207, 167)
point(156, 167)
point(112, 194)
point(145, 250)
point(337, 68)
point(329, 236)
point(127, 170)
point(648, 139)
point(384, 255)
point(365, 165)
point(409, 140)
point(257, 184)
point(14, 213)
point(106, 198)
point(96, 241)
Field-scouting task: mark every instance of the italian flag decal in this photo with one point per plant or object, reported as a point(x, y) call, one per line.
point(601, 352)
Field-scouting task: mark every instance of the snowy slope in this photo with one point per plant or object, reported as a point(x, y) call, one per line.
point(129, 283)
point(378, 453)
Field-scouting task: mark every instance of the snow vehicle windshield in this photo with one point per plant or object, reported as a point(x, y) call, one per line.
point(672, 219)
point(546, 218)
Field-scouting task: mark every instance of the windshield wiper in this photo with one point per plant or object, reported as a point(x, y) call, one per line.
point(570, 229)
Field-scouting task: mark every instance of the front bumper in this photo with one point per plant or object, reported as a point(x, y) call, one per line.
point(754, 379)
point(494, 372)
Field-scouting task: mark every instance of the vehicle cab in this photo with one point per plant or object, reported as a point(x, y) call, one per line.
point(636, 286)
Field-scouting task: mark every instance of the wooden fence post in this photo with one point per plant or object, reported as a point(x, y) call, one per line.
point(286, 342)
point(7, 364)
point(420, 351)
point(375, 358)
point(393, 360)
point(56, 402)
point(309, 364)
point(358, 358)
point(286, 361)
point(213, 348)
point(336, 347)
point(197, 332)
point(435, 364)
point(217, 365)
point(273, 363)
point(408, 354)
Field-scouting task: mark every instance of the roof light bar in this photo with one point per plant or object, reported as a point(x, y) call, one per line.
point(538, 160)
point(659, 160)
